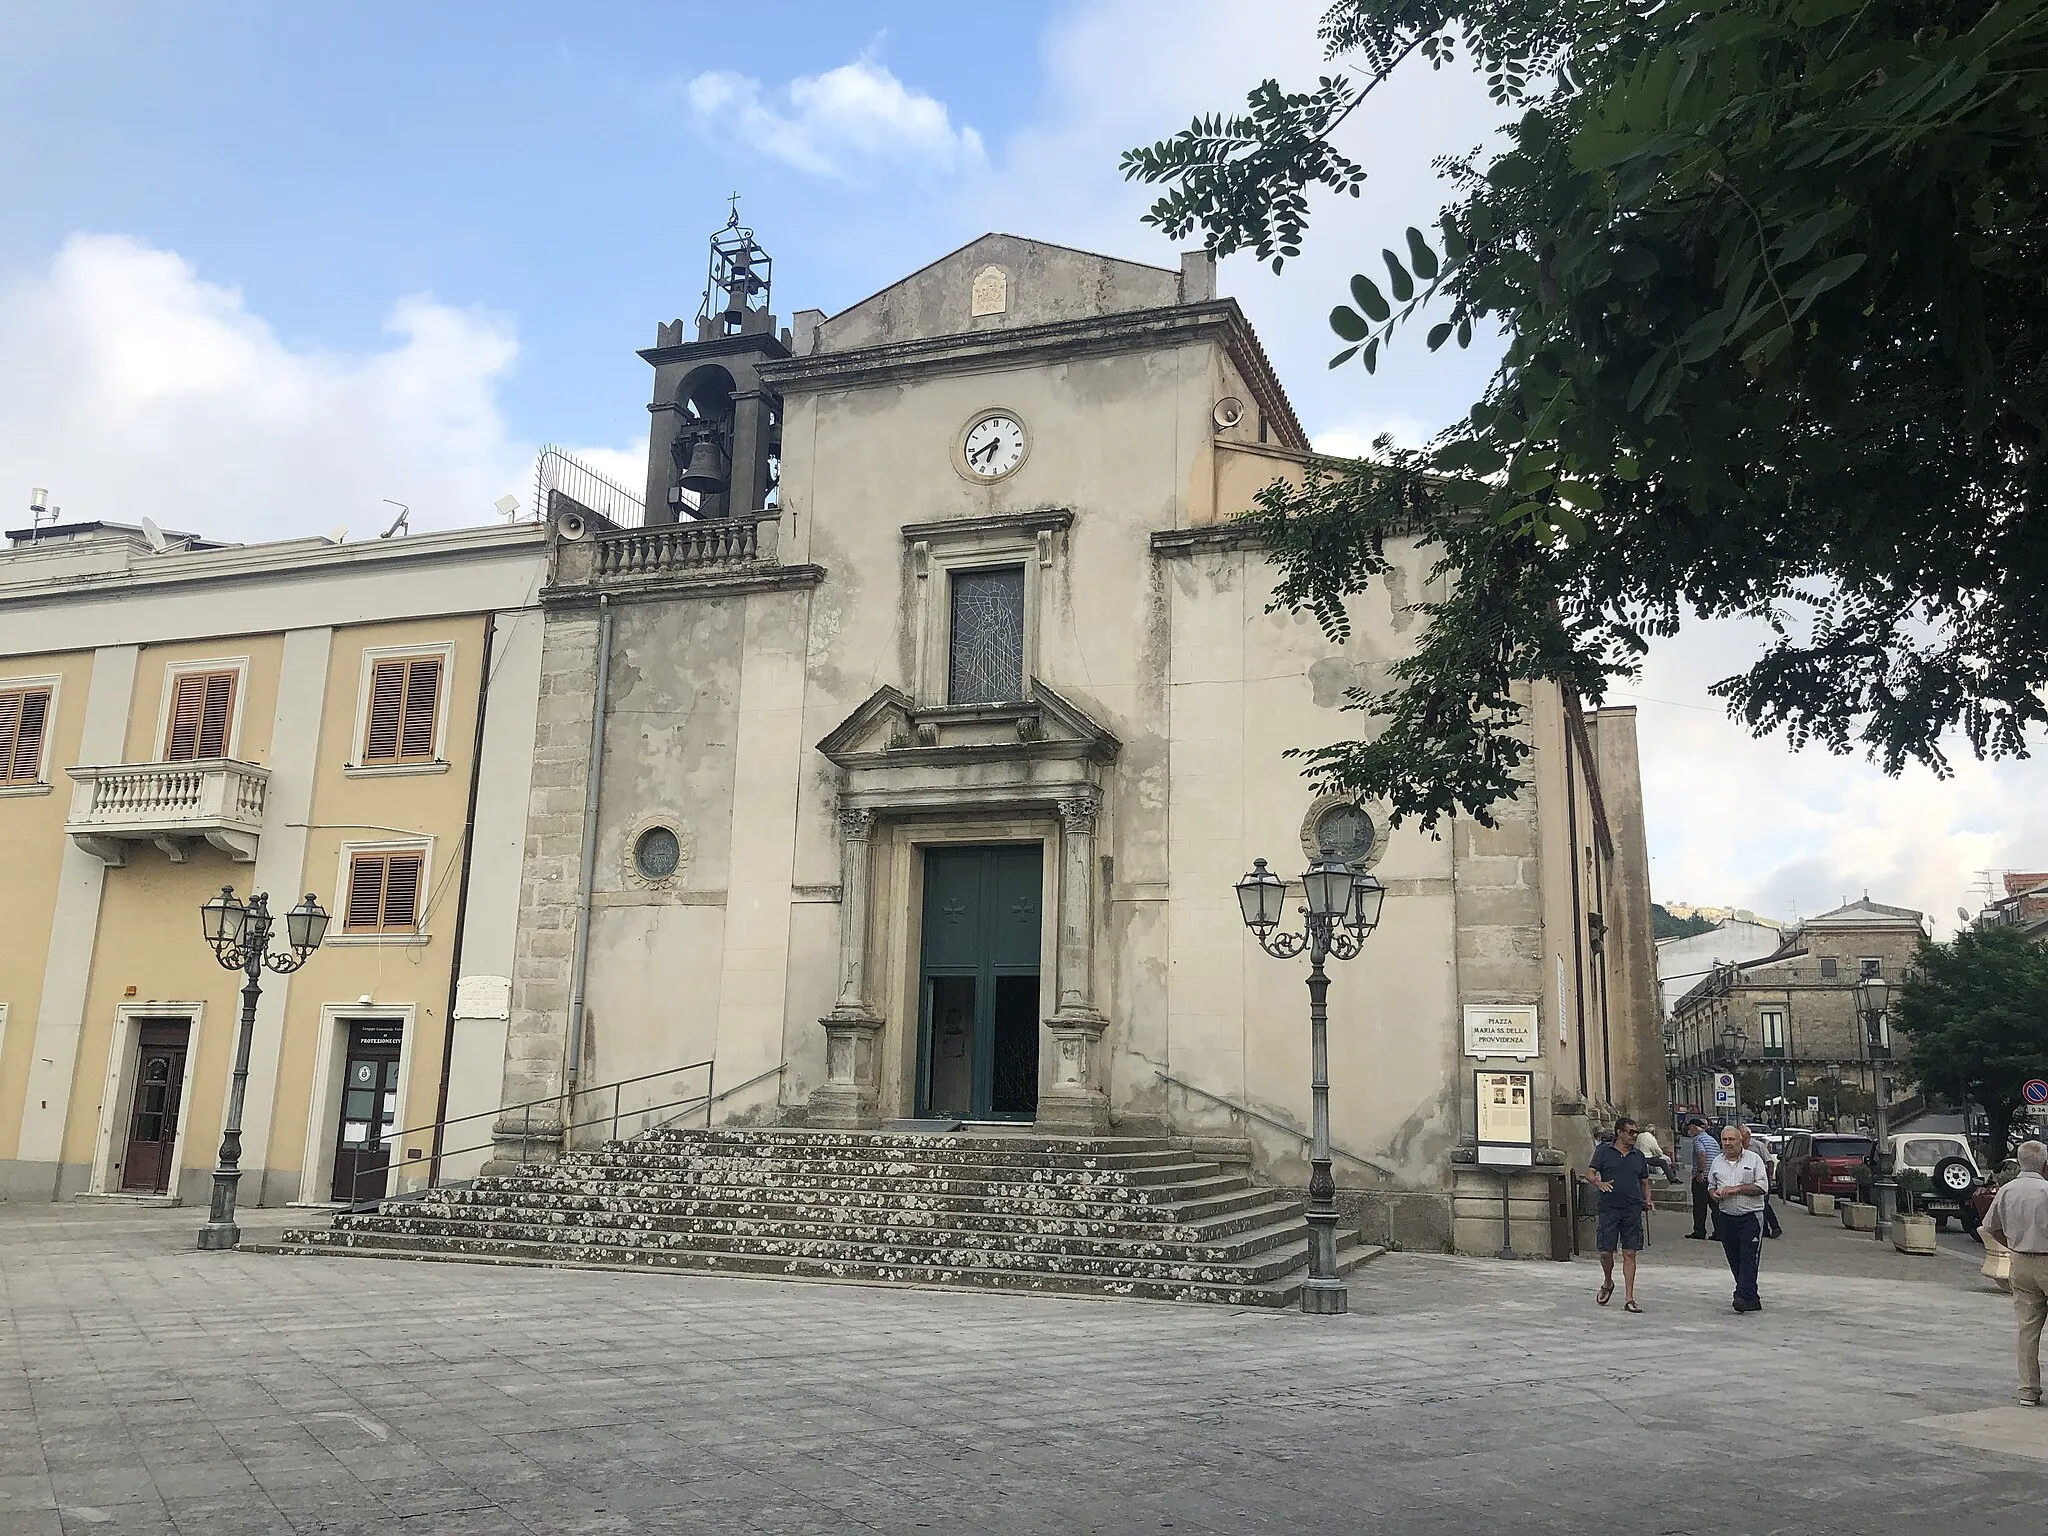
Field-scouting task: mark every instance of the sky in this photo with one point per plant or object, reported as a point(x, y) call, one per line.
point(271, 270)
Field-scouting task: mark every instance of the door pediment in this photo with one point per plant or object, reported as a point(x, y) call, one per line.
point(891, 729)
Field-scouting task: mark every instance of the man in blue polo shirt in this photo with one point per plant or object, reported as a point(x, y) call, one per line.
point(1704, 1149)
point(1622, 1175)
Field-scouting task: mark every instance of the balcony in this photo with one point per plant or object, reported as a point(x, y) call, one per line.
point(170, 805)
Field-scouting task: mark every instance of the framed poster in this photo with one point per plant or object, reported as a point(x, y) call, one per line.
point(1504, 1117)
point(1501, 1029)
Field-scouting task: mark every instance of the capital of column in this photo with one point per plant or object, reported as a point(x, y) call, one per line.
point(856, 825)
point(1078, 813)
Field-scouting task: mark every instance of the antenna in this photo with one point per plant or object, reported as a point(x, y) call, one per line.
point(155, 535)
point(508, 508)
point(41, 513)
point(399, 523)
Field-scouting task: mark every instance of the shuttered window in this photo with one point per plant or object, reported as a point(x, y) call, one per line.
point(202, 713)
point(383, 893)
point(404, 696)
point(24, 716)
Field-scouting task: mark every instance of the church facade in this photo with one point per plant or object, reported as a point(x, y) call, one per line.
point(901, 764)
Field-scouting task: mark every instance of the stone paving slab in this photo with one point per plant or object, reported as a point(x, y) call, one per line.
point(148, 1387)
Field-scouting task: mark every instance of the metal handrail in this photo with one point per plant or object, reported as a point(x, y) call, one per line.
point(528, 1106)
point(1279, 1125)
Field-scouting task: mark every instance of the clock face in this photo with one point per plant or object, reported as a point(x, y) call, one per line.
point(994, 447)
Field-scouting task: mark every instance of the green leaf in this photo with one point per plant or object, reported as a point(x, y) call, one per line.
point(1645, 377)
point(1398, 278)
point(1439, 334)
point(1348, 323)
point(1420, 256)
point(1343, 357)
point(1817, 282)
point(1465, 493)
point(1634, 264)
point(1455, 246)
point(1568, 523)
point(1372, 354)
point(1369, 297)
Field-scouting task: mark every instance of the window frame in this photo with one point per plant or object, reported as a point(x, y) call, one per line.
point(936, 552)
point(344, 881)
point(1764, 1044)
point(175, 670)
point(54, 686)
point(1868, 966)
point(951, 575)
point(1830, 968)
point(358, 763)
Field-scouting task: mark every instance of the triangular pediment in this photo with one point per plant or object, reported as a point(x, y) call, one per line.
point(999, 282)
point(889, 726)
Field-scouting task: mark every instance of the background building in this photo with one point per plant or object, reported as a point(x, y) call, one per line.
point(1797, 1007)
point(290, 717)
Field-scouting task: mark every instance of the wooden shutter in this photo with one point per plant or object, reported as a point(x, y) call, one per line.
point(387, 701)
point(202, 715)
point(402, 891)
point(365, 892)
point(24, 715)
point(422, 694)
point(404, 696)
point(383, 893)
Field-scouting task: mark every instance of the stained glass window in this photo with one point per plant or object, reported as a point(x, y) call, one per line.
point(986, 665)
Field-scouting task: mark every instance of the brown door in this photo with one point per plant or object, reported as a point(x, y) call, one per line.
point(153, 1112)
point(369, 1109)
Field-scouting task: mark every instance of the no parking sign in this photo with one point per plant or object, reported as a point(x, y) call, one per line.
point(2035, 1091)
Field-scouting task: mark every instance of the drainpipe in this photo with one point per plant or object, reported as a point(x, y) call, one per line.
point(476, 774)
point(588, 877)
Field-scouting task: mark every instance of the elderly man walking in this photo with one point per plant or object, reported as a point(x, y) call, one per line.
point(1736, 1184)
point(2018, 1218)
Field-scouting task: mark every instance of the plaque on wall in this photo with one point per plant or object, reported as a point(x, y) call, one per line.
point(1493, 1029)
point(1504, 1118)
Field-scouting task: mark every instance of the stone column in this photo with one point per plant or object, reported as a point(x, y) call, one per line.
point(1075, 1100)
point(849, 1099)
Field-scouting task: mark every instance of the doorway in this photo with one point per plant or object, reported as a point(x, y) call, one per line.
point(978, 983)
point(369, 1109)
point(150, 1160)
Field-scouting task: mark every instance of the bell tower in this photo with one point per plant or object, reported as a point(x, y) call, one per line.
point(715, 443)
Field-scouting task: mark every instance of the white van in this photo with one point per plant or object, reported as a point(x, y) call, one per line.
point(1923, 1152)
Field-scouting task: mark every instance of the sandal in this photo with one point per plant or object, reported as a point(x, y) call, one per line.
point(1606, 1293)
point(1630, 1306)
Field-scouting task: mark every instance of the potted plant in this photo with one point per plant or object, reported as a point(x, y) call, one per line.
point(1859, 1215)
point(1911, 1231)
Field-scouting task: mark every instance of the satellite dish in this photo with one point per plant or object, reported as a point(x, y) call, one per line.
point(400, 524)
point(157, 543)
point(508, 507)
point(340, 532)
point(1963, 913)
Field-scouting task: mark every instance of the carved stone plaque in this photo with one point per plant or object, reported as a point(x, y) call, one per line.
point(483, 997)
point(991, 295)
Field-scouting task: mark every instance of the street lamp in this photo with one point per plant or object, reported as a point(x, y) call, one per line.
point(240, 936)
point(1343, 908)
point(1873, 995)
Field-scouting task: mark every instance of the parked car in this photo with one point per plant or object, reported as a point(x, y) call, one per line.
point(1952, 1171)
point(1821, 1163)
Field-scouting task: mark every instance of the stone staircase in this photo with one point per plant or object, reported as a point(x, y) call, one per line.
point(1104, 1217)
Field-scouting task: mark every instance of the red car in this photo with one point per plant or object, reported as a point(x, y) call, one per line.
point(1821, 1163)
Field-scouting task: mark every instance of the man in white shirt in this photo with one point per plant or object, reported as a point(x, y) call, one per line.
point(1737, 1183)
point(2018, 1218)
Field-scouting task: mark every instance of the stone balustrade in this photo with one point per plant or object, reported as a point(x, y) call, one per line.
point(170, 805)
point(684, 548)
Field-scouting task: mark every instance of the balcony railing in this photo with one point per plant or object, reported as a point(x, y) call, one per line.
point(171, 805)
point(685, 548)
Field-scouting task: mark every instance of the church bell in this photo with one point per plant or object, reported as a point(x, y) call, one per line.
point(706, 474)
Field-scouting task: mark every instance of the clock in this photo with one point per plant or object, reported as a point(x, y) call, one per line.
point(994, 446)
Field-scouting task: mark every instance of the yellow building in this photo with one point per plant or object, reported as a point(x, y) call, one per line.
point(351, 720)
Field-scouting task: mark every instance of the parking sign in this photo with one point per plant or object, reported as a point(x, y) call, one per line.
point(1724, 1090)
point(2035, 1091)
point(1813, 1101)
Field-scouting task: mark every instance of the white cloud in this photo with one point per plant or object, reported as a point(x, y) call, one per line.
point(131, 386)
point(830, 124)
point(1742, 822)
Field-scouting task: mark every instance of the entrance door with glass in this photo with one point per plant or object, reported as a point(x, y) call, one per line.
point(369, 1109)
point(978, 983)
point(153, 1112)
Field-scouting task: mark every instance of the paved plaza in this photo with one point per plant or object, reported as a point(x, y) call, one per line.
point(147, 1387)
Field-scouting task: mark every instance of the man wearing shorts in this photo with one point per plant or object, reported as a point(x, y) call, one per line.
point(1622, 1175)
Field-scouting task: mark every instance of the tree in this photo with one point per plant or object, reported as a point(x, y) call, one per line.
point(1664, 926)
point(1976, 1010)
point(1773, 276)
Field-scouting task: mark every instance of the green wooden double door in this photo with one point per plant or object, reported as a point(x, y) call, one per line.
point(978, 983)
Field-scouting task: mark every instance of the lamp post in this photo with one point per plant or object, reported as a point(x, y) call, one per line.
point(1342, 908)
point(1873, 995)
point(240, 936)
